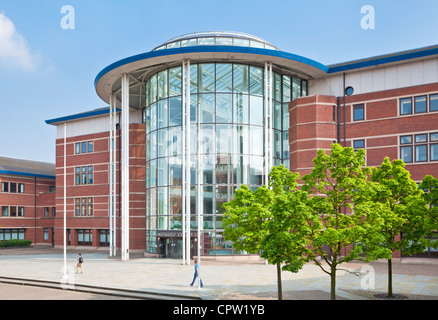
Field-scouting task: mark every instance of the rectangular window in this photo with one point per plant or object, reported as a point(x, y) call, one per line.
point(359, 144)
point(13, 211)
point(421, 153)
point(104, 238)
point(406, 140)
point(358, 112)
point(13, 187)
point(405, 106)
point(46, 234)
point(90, 146)
point(53, 211)
point(21, 188)
point(420, 138)
point(406, 154)
point(21, 211)
point(84, 207)
point(84, 147)
point(420, 104)
point(434, 152)
point(5, 186)
point(85, 237)
point(46, 212)
point(433, 102)
point(433, 137)
point(77, 148)
point(5, 211)
point(84, 175)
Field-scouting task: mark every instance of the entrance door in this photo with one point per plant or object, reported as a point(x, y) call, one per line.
point(170, 248)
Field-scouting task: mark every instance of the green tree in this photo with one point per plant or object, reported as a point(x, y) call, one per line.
point(405, 220)
point(342, 214)
point(260, 221)
point(430, 187)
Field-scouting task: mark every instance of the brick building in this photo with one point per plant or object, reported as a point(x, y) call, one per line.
point(27, 200)
point(208, 112)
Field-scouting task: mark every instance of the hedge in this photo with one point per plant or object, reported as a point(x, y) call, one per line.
point(15, 243)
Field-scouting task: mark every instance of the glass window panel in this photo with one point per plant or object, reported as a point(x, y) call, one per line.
point(406, 106)
point(240, 78)
point(285, 116)
point(162, 85)
point(148, 174)
point(434, 152)
point(207, 108)
point(175, 111)
point(256, 44)
point(224, 77)
point(208, 196)
point(162, 202)
point(433, 102)
point(189, 42)
point(358, 112)
point(241, 42)
point(175, 76)
point(223, 169)
point(241, 108)
point(221, 198)
point(175, 201)
point(240, 169)
point(206, 77)
point(5, 211)
point(175, 171)
point(162, 172)
point(175, 143)
point(148, 120)
point(193, 78)
point(193, 170)
point(406, 140)
point(206, 41)
point(77, 148)
point(153, 141)
point(176, 44)
point(223, 138)
point(153, 89)
point(224, 108)
point(153, 117)
point(433, 137)
point(256, 80)
point(421, 153)
point(162, 145)
point(193, 139)
point(419, 138)
point(420, 104)
point(224, 41)
point(163, 113)
point(277, 115)
point(277, 144)
point(207, 139)
point(296, 88)
point(286, 89)
point(256, 171)
point(241, 138)
point(256, 134)
point(277, 87)
point(359, 144)
point(286, 154)
point(208, 168)
point(84, 147)
point(256, 110)
point(303, 88)
point(193, 108)
point(90, 146)
point(406, 154)
point(153, 173)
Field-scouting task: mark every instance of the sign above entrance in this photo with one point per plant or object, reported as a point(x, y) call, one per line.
point(173, 234)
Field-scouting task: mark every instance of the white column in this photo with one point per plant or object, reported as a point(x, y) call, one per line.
point(183, 165)
point(114, 195)
point(65, 200)
point(125, 167)
point(110, 172)
point(268, 122)
point(188, 161)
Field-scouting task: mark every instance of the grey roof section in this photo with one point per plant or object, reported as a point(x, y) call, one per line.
point(14, 166)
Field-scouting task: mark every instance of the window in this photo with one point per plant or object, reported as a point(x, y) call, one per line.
point(5, 211)
point(405, 106)
point(406, 154)
point(358, 112)
point(359, 144)
point(85, 237)
point(46, 234)
point(11, 234)
point(104, 238)
point(433, 102)
point(21, 188)
point(84, 175)
point(5, 186)
point(53, 211)
point(420, 104)
point(84, 147)
point(13, 187)
point(20, 211)
point(84, 207)
point(46, 212)
point(421, 150)
point(433, 146)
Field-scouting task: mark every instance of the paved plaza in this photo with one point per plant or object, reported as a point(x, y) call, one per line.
point(221, 279)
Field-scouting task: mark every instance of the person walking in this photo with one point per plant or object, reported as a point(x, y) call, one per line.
point(196, 275)
point(79, 264)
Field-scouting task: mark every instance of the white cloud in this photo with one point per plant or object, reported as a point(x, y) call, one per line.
point(14, 50)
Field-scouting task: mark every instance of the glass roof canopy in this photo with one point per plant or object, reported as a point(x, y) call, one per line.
point(224, 38)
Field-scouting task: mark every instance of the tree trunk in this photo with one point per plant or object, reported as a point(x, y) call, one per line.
point(390, 278)
point(333, 281)
point(280, 290)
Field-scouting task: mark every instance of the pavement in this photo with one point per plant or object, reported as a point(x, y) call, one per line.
point(222, 280)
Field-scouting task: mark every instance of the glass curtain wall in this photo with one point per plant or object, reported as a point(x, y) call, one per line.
point(227, 102)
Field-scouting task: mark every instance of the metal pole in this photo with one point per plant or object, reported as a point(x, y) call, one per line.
point(183, 162)
point(125, 167)
point(111, 177)
point(114, 128)
point(271, 129)
point(65, 200)
point(266, 124)
point(188, 162)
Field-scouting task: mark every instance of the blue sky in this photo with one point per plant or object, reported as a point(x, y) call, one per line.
point(47, 72)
